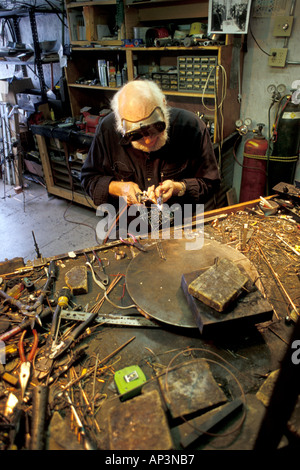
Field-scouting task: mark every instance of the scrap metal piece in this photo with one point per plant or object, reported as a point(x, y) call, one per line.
point(191, 388)
point(215, 418)
point(139, 424)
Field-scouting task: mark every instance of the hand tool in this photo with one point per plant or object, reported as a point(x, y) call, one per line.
point(44, 363)
point(38, 254)
point(62, 347)
point(25, 368)
point(52, 275)
point(39, 415)
point(94, 274)
point(76, 356)
point(23, 326)
point(132, 241)
point(32, 310)
point(102, 274)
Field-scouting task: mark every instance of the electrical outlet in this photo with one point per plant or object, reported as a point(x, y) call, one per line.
point(283, 26)
point(278, 57)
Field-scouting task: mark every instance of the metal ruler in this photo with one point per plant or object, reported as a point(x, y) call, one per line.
point(109, 319)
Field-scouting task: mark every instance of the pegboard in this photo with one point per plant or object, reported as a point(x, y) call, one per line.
point(267, 8)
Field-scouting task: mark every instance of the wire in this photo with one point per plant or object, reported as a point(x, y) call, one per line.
point(243, 397)
point(114, 223)
point(219, 105)
point(267, 53)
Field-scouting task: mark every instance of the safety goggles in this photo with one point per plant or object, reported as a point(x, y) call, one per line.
point(151, 126)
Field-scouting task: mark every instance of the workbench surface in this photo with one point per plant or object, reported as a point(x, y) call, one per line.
point(240, 359)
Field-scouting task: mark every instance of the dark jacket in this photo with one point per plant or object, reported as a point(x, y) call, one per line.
point(187, 156)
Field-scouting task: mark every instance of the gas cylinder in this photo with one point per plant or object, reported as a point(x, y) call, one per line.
point(254, 175)
point(286, 141)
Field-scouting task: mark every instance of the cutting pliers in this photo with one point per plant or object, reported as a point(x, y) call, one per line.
point(25, 368)
point(132, 241)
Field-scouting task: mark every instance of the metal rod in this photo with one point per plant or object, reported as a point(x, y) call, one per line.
point(279, 282)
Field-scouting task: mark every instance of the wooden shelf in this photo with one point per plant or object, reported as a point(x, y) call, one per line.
point(90, 3)
point(92, 87)
point(220, 106)
point(86, 45)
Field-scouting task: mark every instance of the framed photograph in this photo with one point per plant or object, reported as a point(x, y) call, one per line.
point(228, 17)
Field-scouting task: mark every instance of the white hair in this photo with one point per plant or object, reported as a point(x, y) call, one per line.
point(146, 89)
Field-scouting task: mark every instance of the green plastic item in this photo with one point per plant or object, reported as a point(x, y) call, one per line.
point(129, 381)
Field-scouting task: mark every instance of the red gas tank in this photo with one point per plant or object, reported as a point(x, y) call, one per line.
point(254, 175)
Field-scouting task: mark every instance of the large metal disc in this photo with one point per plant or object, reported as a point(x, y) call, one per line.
point(154, 284)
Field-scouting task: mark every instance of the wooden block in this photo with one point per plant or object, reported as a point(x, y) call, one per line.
point(77, 281)
point(9, 266)
point(219, 285)
point(249, 309)
point(139, 424)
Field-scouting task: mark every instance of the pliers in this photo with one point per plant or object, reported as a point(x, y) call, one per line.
point(133, 242)
point(25, 368)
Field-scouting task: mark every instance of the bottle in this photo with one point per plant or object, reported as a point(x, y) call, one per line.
point(118, 79)
point(102, 72)
point(124, 74)
point(111, 75)
point(118, 74)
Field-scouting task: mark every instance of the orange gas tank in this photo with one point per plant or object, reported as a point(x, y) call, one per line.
point(254, 175)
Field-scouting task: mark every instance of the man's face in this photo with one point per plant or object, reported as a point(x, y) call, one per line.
point(151, 144)
point(148, 133)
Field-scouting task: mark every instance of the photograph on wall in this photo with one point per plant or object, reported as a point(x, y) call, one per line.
point(228, 16)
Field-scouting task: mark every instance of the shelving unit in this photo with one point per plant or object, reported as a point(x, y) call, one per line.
point(58, 150)
point(37, 60)
point(221, 108)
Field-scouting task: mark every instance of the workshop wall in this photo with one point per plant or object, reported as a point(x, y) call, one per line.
point(258, 75)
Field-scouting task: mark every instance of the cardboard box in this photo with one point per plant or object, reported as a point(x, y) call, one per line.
point(11, 86)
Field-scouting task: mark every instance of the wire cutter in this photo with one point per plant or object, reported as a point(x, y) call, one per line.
point(133, 242)
point(25, 368)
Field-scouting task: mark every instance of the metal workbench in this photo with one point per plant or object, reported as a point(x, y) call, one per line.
point(241, 357)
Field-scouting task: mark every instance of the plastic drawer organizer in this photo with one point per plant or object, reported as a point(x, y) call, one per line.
point(197, 74)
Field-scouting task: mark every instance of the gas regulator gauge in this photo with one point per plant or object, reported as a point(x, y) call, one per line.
point(238, 123)
point(271, 89)
point(248, 122)
point(281, 88)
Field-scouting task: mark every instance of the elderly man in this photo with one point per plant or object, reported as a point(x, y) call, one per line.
point(145, 145)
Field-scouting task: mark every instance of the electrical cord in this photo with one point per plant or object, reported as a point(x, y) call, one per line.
point(267, 53)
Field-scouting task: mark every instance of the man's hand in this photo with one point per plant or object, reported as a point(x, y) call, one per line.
point(167, 189)
point(127, 190)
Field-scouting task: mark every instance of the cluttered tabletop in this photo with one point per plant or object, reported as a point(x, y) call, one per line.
point(153, 344)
